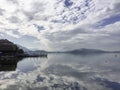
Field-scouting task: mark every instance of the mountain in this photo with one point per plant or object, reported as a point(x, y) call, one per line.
point(76, 51)
point(37, 52)
point(86, 51)
point(81, 51)
point(24, 48)
point(31, 52)
point(115, 51)
point(8, 48)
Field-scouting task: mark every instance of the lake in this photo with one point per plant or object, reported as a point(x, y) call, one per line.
point(63, 72)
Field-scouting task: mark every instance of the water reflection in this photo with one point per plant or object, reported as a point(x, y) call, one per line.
point(110, 84)
point(8, 67)
point(65, 72)
point(9, 63)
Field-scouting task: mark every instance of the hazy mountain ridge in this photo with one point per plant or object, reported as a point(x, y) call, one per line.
point(76, 51)
point(24, 48)
point(32, 52)
point(84, 50)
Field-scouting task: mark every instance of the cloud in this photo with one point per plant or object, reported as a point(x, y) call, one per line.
point(14, 19)
point(1, 11)
point(62, 24)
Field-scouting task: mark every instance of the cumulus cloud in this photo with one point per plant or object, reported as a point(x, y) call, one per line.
point(63, 24)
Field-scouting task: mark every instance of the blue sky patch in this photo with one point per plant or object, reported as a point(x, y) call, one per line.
point(68, 3)
point(39, 27)
point(108, 21)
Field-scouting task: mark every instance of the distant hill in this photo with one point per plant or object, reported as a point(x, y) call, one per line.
point(76, 51)
point(24, 48)
point(31, 52)
point(86, 51)
point(115, 51)
point(37, 52)
point(8, 48)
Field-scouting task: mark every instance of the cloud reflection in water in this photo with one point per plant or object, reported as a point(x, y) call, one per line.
point(64, 72)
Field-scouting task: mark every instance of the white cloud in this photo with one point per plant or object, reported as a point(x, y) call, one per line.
point(72, 26)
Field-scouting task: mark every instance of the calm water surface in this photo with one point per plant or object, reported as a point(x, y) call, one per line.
point(63, 72)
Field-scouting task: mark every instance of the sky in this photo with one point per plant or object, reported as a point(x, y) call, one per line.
point(61, 24)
